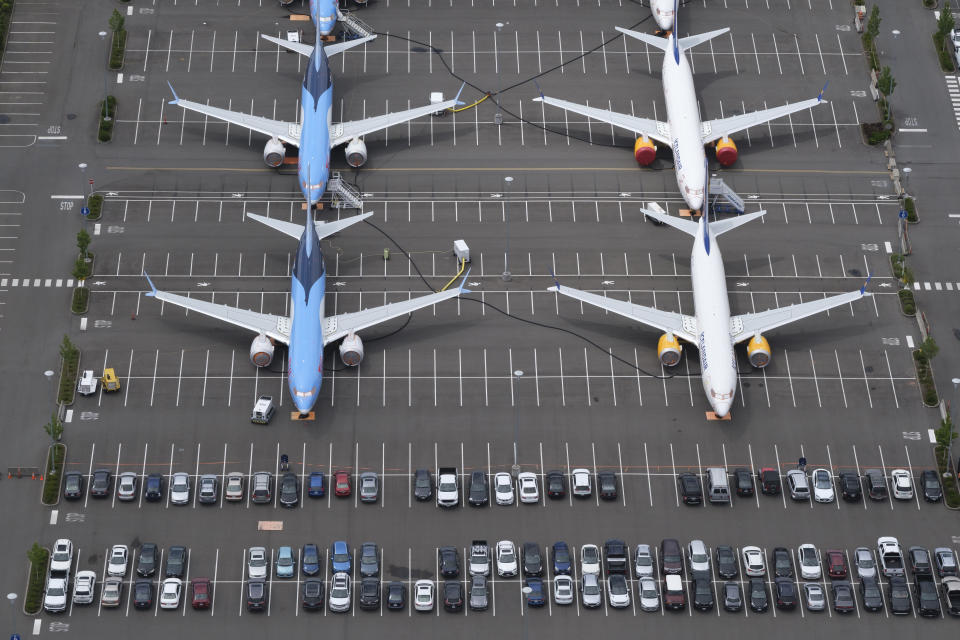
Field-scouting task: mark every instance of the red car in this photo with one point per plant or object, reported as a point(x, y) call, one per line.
point(836, 564)
point(341, 483)
point(201, 593)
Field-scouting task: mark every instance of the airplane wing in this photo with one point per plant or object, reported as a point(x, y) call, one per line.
point(346, 131)
point(745, 326)
point(275, 327)
point(716, 129)
point(307, 49)
point(295, 230)
point(288, 132)
point(683, 327)
point(659, 131)
point(339, 326)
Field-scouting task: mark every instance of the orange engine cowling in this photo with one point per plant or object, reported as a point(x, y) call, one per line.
point(758, 351)
point(644, 150)
point(669, 349)
point(726, 151)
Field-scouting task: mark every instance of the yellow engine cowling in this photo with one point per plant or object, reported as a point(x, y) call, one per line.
point(758, 351)
point(668, 350)
point(726, 151)
point(644, 150)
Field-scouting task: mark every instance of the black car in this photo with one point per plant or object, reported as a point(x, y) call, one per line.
point(920, 562)
point(615, 556)
point(928, 600)
point(176, 562)
point(607, 485)
point(100, 487)
point(143, 594)
point(702, 594)
point(899, 595)
point(153, 487)
point(671, 557)
point(781, 564)
point(842, 597)
point(147, 560)
point(732, 598)
point(369, 560)
point(289, 490)
point(479, 491)
point(758, 595)
point(691, 491)
point(556, 485)
point(744, 481)
point(876, 484)
point(396, 596)
point(932, 490)
point(312, 594)
point(73, 485)
point(850, 488)
point(369, 594)
point(256, 595)
point(452, 595)
point(769, 480)
point(479, 594)
point(726, 562)
point(449, 562)
point(422, 485)
point(871, 594)
point(532, 559)
point(786, 593)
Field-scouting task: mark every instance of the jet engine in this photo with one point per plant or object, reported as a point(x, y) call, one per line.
point(644, 150)
point(758, 351)
point(351, 350)
point(726, 151)
point(356, 153)
point(668, 350)
point(261, 351)
point(273, 153)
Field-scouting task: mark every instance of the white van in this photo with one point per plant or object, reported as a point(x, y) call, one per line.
point(88, 383)
point(718, 488)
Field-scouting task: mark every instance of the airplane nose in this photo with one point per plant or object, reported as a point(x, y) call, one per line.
point(721, 408)
point(304, 405)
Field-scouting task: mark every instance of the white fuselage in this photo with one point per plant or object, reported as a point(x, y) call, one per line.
point(683, 116)
point(663, 13)
point(718, 363)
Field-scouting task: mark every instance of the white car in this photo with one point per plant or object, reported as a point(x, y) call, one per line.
point(170, 593)
point(618, 593)
point(753, 564)
point(340, 592)
point(698, 557)
point(503, 488)
point(581, 483)
point(822, 482)
point(644, 561)
point(590, 559)
point(423, 595)
point(127, 486)
point(233, 489)
point(180, 488)
point(815, 597)
point(863, 561)
point(590, 591)
point(506, 559)
point(808, 559)
point(84, 586)
point(257, 563)
point(902, 484)
point(529, 492)
point(62, 558)
point(117, 564)
point(563, 590)
point(55, 595)
point(649, 596)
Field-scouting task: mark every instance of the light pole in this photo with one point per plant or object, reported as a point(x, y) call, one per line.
point(83, 176)
point(516, 423)
point(12, 599)
point(506, 276)
point(498, 119)
point(106, 111)
point(906, 180)
point(956, 384)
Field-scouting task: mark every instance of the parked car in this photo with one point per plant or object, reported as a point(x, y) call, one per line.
point(786, 593)
point(581, 483)
point(529, 493)
point(369, 560)
point(849, 483)
point(671, 557)
point(61, 560)
point(928, 599)
point(111, 592)
point(836, 564)
point(310, 559)
point(506, 559)
point(674, 597)
point(289, 490)
point(117, 562)
point(285, 566)
point(369, 486)
point(744, 482)
point(759, 601)
point(84, 586)
point(200, 593)
point(503, 488)
point(876, 484)
point(590, 559)
point(423, 595)
point(127, 486)
point(920, 562)
point(340, 588)
point(147, 560)
point(698, 558)
point(702, 594)
point(871, 594)
point(396, 596)
point(843, 601)
point(863, 561)
point(815, 596)
point(618, 593)
point(563, 590)
point(534, 592)
point(732, 597)
point(453, 596)
point(257, 563)
point(769, 480)
point(809, 560)
point(256, 595)
point(423, 485)
point(902, 483)
point(341, 484)
point(945, 561)
point(691, 490)
point(753, 564)
point(822, 485)
point(647, 594)
point(479, 492)
point(316, 488)
point(590, 592)
point(312, 594)
point(532, 560)
point(180, 488)
point(73, 485)
point(798, 485)
point(562, 564)
point(782, 565)
point(100, 485)
point(143, 593)
point(207, 489)
point(153, 488)
point(480, 596)
point(899, 596)
point(726, 562)
point(556, 485)
point(170, 593)
point(340, 557)
point(951, 593)
point(233, 490)
point(369, 598)
point(643, 561)
point(176, 561)
point(932, 489)
point(449, 562)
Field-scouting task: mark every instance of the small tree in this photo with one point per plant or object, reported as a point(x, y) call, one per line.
point(80, 269)
point(67, 348)
point(116, 21)
point(945, 23)
point(886, 83)
point(54, 428)
point(83, 242)
point(907, 276)
point(873, 23)
point(945, 434)
point(929, 348)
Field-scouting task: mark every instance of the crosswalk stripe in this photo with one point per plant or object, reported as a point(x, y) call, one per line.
point(47, 282)
point(937, 286)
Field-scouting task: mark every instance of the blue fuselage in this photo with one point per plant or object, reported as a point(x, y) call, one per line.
point(307, 288)
point(313, 164)
point(324, 15)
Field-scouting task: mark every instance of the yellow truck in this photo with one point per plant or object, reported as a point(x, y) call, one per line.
point(110, 381)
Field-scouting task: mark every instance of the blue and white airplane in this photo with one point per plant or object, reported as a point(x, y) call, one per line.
point(316, 134)
point(683, 131)
point(307, 330)
point(712, 329)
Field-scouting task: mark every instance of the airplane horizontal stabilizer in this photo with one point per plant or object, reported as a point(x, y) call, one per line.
point(324, 229)
point(298, 47)
point(692, 41)
point(687, 226)
point(722, 226)
point(654, 41)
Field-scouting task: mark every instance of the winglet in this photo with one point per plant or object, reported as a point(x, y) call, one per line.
point(463, 283)
point(863, 289)
point(176, 98)
point(820, 95)
point(555, 281)
point(153, 289)
point(539, 90)
point(457, 97)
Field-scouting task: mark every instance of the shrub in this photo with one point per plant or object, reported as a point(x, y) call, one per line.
point(38, 568)
point(53, 472)
point(116, 21)
point(944, 52)
point(81, 269)
point(945, 22)
point(105, 133)
point(929, 348)
point(95, 204)
point(896, 262)
point(911, 209)
point(116, 52)
point(81, 300)
point(907, 303)
point(68, 371)
point(925, 377)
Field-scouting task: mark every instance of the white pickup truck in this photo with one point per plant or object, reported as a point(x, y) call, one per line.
point(890, 555)
point(448, 489)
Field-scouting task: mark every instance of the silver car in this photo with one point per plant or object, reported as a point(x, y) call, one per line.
point(809, 561)
point(815, 597)
point(257, 563)
point(127, 486)
point(112, 591)
point(340, 592)
point(644, 563)
point(863, 561)
point(798, 485)
point(698, 557)
point(180, 488)
point(233, 490)
point(563, 590)
point(581, 483)
point(649, 596)
point(207, 489)
point(590, 591)
point(503, 488)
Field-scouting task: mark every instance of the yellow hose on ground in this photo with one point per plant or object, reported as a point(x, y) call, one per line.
point(463, 265)
point(469, 106)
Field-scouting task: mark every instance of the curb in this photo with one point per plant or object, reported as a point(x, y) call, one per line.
point(59, 480)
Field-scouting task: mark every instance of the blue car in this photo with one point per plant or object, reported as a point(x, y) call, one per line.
point(561, 558)
point(340, 554)
point(310, 560)
point(285, 566)
point(315, 488)
point(535, 597)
